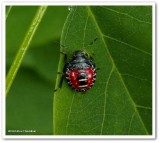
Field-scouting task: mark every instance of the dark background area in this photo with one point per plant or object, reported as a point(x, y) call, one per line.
point(29, 104)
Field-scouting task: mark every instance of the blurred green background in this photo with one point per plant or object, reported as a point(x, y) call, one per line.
point(29, 104)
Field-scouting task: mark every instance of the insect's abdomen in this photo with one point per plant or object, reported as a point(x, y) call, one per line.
point(81, 80)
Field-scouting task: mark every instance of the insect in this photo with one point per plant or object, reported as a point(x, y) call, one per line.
point(80, 71)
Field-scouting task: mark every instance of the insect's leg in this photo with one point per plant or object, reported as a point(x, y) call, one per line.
point(92, 54)
point(59, 72)
point(65, 56)
point(63, 46)
point(58, 42)
point(61, 81)
point(90, 44)
point(83, 91)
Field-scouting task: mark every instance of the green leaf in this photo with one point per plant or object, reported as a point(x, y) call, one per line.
point(29, 104)
point(49, 31)
point(120, 102)
point(24, 46)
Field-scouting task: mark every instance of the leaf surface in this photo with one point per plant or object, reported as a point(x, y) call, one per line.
point(30, 101)
point(29, 105)
point(120, 102)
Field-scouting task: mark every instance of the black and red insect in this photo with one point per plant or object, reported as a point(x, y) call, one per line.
point(80, 71)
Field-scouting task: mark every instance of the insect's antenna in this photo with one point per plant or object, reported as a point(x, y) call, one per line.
point(91, 43)
point(60, 44)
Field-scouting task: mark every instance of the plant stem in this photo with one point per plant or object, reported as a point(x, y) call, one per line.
point(24, 46)
point(8, 11)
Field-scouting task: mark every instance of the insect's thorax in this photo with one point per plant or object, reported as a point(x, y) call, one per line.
point(79, 63)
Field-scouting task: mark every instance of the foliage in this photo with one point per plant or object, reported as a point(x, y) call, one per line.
point(29, 104)
point(120, 102)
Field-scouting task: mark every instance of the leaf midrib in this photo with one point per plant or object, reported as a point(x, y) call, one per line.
point(115, 67)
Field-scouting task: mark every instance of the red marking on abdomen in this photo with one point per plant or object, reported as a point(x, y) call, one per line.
point(73, 74)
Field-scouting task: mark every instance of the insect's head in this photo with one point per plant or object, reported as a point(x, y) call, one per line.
point(83, 52)
point(80, 53)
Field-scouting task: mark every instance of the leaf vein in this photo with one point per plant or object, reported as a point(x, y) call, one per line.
point(89, 131)
point(85, 29)
point(65, 37)
point(90, 103)
point(143, 79)
point(69, 113)
point(131, 122)
point(105, 97)
point(114, 39)
point(144, 107)
point(127, 15)
point(121, 79)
